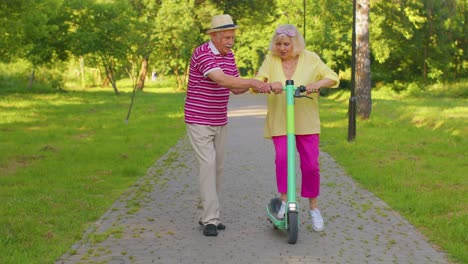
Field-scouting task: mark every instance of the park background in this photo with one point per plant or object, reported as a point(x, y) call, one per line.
point(70, 70)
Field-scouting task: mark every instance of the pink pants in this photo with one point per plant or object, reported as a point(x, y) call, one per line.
point(308, 148)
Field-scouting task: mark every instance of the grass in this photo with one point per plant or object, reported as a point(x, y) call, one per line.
point(412, 154)
point(66, 157)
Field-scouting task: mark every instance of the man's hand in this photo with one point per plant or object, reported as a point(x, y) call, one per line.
point(260, 87)
point(276, 87)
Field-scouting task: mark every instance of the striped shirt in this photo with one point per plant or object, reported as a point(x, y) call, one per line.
point(206, 102)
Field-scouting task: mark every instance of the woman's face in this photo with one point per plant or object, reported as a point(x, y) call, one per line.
point(284, 47)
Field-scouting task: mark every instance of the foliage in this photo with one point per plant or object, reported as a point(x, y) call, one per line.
point(411, 40)
point(418, 40)
point(103, 31)
point(32, 30)
point(178, 37)
point(69, 156)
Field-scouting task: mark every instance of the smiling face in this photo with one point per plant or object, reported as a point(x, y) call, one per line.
point(223, 40)
point(284, 48)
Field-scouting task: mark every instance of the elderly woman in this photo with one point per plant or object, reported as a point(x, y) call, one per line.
point(289, 60)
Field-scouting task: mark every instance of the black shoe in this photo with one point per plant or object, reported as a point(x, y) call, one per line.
point(219, 226)
point(210, 230)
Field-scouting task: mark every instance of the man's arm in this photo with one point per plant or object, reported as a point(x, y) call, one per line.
point(237, 85)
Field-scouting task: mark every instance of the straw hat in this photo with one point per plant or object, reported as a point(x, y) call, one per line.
point(220, 23)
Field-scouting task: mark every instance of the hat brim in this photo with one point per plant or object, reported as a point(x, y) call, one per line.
point(209, 31)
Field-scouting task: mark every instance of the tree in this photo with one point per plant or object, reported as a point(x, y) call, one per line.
point(102, 31)
point(11, 29)
point(418, 40)
point(328, 36)
point(145, 30)
point(410, 40)
point(180, 27)
point(252, 45)
point(459, 33)
point(363, 78)
point(35, 32)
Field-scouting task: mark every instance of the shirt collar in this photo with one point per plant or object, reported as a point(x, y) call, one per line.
point(213, 48)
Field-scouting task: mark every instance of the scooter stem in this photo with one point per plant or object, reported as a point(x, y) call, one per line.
point(291, 141)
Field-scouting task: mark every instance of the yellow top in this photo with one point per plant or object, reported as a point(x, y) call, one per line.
point(310, 68)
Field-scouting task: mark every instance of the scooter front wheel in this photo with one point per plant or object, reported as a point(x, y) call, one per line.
point(293, 227)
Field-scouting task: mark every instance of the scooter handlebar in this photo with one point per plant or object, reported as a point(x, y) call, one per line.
point(300, 90)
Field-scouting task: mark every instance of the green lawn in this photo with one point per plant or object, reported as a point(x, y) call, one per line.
point(66, 157)
point(412, 153)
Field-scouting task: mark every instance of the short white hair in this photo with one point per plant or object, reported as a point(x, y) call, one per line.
point(291, 31)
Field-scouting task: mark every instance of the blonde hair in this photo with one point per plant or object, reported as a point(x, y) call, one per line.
point(291, 31)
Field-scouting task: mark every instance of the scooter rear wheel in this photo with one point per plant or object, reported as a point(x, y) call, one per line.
point(293, 227)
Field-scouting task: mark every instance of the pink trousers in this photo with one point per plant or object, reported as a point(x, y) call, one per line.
point(308, 148)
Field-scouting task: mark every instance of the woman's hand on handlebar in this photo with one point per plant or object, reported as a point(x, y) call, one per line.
point(312, 88)
point(276, 87)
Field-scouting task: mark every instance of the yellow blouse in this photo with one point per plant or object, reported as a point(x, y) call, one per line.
point(310, 68)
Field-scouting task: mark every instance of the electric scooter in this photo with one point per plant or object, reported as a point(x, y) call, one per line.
point(290, 222)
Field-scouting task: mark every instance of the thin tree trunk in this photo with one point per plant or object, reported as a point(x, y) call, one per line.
point(108, 66)
point(106, 81)
point(82, 72)
point(31, 79)
point(112, 81)
point(425, 54)
point(363, 74)
point(427, 45)
point(178, 78)
point(143, 73)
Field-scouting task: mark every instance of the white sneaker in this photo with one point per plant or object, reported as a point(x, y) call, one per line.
point(317, 220)
point(282, 210)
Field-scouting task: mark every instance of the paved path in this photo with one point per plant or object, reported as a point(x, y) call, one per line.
point(156, 220)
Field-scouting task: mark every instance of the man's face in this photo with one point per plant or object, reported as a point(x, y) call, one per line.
point(223, 40)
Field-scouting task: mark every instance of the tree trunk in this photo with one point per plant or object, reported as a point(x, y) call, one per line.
point(106, 81)
point(31, 79)
point(178, 78)
point(143, 73)
point(82, 72)
point(108, 66)
point(363, 74)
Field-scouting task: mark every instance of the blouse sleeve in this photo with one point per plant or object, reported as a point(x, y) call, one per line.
point(327, 73)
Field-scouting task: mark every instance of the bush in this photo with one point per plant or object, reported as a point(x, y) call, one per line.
point(413, 89)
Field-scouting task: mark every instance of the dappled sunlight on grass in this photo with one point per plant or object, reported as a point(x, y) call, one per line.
point(162, 90)
point(453, 120)
point(29, 108)
point(176, 115)
point(71, 150)
point(412, 154)
point(336, 124)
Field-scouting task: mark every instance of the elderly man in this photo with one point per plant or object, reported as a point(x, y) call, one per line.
point(213, 76)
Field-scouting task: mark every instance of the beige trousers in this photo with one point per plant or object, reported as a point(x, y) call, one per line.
point(209, 142)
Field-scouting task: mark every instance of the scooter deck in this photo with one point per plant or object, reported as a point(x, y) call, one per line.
point(272, 211)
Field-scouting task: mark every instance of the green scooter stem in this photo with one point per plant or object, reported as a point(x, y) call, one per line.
point(291, 220)
point(291, 196)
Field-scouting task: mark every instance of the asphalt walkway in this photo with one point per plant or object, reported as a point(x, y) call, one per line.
point(156, 221)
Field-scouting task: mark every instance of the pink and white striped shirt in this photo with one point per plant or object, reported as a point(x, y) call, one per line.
point(206, 101)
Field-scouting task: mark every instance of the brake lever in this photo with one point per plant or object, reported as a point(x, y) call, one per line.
point(300, 90)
